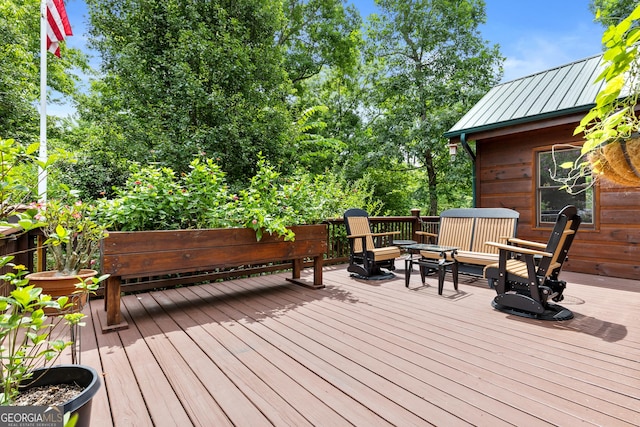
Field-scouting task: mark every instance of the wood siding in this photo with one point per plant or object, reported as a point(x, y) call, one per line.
point(505, 170)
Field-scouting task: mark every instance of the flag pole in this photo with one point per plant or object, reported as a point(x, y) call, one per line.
point(42, 172)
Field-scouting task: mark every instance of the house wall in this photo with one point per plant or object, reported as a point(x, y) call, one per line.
point(505, 171)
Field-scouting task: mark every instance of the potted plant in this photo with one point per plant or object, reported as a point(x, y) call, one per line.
point(612, 127)
point(28, 348)
point(73, 239)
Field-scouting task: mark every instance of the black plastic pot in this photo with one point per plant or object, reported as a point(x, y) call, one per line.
point(84, 376)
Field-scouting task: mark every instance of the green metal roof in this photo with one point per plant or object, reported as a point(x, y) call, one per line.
point(556, 92)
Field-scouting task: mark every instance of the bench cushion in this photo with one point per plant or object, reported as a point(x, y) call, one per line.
point(480, 258)
point(383, 254)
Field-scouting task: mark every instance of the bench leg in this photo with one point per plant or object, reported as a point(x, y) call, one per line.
point(297, 268)
point(454, 273)
point(317, 271)
point(113, 321)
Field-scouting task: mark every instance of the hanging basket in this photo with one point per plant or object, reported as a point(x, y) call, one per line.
point(618, 162)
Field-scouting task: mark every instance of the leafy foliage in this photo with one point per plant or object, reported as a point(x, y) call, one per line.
point(318, 34)
point(186, 78)
point(156, 198)
point(610, 12)
point(427, 65)
point(25, 332)
point(614, 115)
point(293, 80)
point(20, 69)
point(71, 233)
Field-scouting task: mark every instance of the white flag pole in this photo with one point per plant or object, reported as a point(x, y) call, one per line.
point(42, 173)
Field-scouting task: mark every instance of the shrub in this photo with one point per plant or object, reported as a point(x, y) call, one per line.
point(155, 198)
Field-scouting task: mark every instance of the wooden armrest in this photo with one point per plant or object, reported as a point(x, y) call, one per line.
point(387, 233)
point(426, 233)
point(529, 243)
point(357, 236)
point(519, 250)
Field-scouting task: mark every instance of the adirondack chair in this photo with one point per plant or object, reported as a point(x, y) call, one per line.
point(369, 252)
point(526, 275)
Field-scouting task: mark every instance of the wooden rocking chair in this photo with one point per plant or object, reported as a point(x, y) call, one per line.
point(366, 258)
point(527, 281)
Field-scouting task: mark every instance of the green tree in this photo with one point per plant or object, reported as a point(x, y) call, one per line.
point(20, 70)
point(183, 78)
point(429, 66)
point(610, 12)
point(213, 77)
point(317, 34)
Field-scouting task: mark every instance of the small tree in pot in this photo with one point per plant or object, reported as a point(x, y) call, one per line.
point(73, 238)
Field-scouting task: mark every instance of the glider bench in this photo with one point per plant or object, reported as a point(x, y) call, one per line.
point(152, 254)
point(468, 229)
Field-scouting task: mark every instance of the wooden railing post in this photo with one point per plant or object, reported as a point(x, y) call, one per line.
point(41, 254)
point(415, 213)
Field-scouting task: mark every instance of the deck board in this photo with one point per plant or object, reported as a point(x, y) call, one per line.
point(181, 360)
point(243, 364)
point(149, 375)
point(262, 351)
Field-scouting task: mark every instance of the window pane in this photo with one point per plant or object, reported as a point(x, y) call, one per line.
point(551, 199)
point(549, 167)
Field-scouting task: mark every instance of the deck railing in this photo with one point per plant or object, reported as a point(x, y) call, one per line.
point(338, 246)
point(337, 251)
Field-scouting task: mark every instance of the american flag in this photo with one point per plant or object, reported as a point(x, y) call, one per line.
point(58, 25)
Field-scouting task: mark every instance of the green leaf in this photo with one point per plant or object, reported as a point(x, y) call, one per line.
point(566, 165)
point(61, 232)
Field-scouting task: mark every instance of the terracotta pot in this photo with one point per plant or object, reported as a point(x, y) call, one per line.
point(59, 286)
point(619, 162)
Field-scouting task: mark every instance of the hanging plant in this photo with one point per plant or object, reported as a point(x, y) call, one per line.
point(612, 127)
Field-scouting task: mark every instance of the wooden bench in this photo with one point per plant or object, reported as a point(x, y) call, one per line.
point(128, 255)
point(468, 229)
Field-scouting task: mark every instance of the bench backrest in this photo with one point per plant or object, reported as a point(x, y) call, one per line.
point(469, 228)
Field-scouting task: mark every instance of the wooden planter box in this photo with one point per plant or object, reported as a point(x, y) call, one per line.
point(126, 255)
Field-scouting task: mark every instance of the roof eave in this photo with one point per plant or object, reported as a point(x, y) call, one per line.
point(518, 121)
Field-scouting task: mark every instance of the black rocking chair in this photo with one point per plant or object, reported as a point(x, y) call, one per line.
point(369, 251)
point(526, 276)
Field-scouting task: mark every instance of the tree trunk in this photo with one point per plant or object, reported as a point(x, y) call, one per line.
point(432, 182)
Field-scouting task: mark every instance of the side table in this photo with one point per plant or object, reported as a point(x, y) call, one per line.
point(440, 264)
point(402, 244)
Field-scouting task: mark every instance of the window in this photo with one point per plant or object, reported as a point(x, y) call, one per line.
point(551, 199)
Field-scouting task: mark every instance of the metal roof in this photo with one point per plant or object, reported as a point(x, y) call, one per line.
point(556, 92)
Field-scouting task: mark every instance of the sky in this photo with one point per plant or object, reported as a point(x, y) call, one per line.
point(533, 35)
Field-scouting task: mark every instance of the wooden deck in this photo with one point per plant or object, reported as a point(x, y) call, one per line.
point(262, 351)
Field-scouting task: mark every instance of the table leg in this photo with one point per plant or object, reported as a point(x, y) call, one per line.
point(454, 273)
point(442, 269)
point(408, 266)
